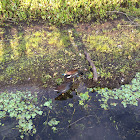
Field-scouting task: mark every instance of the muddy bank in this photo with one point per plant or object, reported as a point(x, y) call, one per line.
point(40, 54)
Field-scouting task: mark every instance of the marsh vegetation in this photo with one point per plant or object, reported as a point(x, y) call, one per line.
point(40, 41)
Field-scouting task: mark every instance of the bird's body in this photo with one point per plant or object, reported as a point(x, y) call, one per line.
point(64, 87)
point(72, 73)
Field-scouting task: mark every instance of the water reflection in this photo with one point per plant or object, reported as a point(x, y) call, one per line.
point(77, 122)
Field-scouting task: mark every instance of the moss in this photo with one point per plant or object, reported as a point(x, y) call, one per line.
point(37, 57)
point(31, 56)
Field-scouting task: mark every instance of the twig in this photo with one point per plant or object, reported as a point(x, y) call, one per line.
point(72, 116)
point(79, 120)
point(123, 14)
point(129, 25)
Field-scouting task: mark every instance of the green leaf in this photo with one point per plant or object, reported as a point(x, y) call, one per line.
point(70, 104)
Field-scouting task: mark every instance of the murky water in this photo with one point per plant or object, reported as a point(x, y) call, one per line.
point(76, 122)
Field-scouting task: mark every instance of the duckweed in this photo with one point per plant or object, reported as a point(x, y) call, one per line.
point(84, 98)
point(53, 122)
point(128, 94)
point(22, 106)
point(48, 103)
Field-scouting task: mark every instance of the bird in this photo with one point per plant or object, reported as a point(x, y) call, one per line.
point(72, 73)
point(63, 88)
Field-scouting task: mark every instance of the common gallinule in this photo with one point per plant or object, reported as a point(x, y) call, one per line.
point(72, 73)
point(64, 87)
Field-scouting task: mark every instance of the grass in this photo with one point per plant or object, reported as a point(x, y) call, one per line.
point(64, 12)
point(42, 56)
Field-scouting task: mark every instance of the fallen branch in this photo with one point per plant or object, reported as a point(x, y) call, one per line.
point(95, 78)
point(132, 22)
point(129, 25)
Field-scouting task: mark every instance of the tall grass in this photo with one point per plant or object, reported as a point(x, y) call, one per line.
point(63, 11)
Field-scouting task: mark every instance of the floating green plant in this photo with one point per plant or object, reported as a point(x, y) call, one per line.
point(53, 122)
point(127, 94)
point(84, 98)
point(48, 103)
point(70, 104)
point(22, 106)
point(58, 81)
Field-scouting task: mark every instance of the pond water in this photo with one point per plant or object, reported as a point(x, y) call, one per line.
point(32, 61)
point(76, 122)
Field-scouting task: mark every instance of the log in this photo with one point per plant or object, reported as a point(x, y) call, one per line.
point(95, 78)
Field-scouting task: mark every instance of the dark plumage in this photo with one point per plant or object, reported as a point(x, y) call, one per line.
point(64, 87)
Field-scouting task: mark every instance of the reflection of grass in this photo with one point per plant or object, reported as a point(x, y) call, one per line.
point(128, 94)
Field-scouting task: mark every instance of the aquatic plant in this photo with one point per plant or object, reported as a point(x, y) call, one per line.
point(53, 122)
point(23, 107)
point(59, 81)
point(84, 98)
point(127, 94)
point(48, 103)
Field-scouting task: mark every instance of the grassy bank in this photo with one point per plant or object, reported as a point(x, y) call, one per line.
point(42, 54)
point(65, 11)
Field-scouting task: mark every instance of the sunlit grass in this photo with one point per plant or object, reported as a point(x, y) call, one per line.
point(64, 12)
